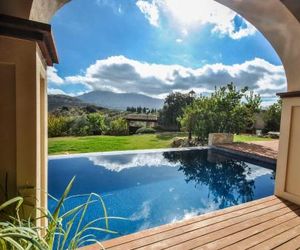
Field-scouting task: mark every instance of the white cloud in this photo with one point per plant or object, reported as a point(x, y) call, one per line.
point(188, 14)
point(121, 74)
point(53, 77)
point(190, 213)
point(150, 10)
point(178, 40)
point(114, 5)
point(252, 172)
point(142, 213)
point(52, 91)
point(118, 164)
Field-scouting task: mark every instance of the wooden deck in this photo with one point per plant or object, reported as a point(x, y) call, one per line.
point(269, 223)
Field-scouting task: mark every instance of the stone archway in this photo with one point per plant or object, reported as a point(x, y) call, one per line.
point(277, 20)
point(26, 83)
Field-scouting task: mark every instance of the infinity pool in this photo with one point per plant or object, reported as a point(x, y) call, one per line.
point(156, 188)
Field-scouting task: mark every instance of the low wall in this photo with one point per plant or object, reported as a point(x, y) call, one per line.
point(219, 138)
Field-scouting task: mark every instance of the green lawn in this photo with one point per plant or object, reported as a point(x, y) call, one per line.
point(69, 145)
point(64, 145)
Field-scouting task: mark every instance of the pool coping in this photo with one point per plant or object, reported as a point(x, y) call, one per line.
point(139, 151)
point(124, 152)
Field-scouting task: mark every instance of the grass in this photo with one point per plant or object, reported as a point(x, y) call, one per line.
point(71, 145)
point(63, 145)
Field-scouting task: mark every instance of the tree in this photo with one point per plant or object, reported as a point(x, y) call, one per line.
point(222, 112)
point(188, 121)
point(173, 109)
point(139, 110)
point(272, 117)
point(253, 105)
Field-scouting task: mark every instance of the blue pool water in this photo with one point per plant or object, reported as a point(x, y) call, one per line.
point(151, 189)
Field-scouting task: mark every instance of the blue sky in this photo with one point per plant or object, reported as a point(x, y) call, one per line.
point(157, 46)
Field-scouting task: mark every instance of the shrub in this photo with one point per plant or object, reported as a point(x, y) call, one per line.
point(65, 229)
point(96, 123)
point(145, 130)
point(80, 126)
point(58, 126)
point(118, 126)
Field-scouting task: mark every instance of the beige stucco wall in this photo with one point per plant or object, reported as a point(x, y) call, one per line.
point(7, 130)
point(23, 146)
point(288, 165)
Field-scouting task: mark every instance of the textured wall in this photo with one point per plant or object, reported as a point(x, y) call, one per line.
point(220, 138)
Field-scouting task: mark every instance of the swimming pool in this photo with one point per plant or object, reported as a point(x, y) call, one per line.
point(156, 188)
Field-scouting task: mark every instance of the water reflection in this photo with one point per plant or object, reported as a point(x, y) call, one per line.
point(229, 180)
point(122, 162)
point(155, 188)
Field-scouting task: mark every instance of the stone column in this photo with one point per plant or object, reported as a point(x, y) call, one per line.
point(26, 48)
point(288, 163)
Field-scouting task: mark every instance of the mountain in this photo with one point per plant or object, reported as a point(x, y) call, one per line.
point(120, 100)
point(58, 101)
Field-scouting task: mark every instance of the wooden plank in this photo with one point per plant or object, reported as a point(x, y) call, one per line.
point(264, 224)
point(187, 226)
point(233, 238)
point(192, 227)
point(198, 239)
point(268, 201)
point(290, 245)
point(278, 240)
point(197, 225)
point(183, 240)
point(265, 235)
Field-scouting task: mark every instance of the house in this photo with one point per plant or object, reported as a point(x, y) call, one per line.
point(27, 47)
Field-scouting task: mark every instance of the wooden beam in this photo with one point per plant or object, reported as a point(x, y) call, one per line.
point(289, 94)
point(32, 31)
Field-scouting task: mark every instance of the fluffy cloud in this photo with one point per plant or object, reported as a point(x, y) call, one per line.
point(118, 164)
point(53, 91)
point(191, 13)
point(120, 74)
point(150, 10)
point(53, 76)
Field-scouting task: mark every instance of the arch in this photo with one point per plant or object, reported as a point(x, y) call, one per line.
point(271, 17)
point(274, 20)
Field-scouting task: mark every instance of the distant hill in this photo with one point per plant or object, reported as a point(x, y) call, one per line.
point(120, 100)
point(58, 101)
